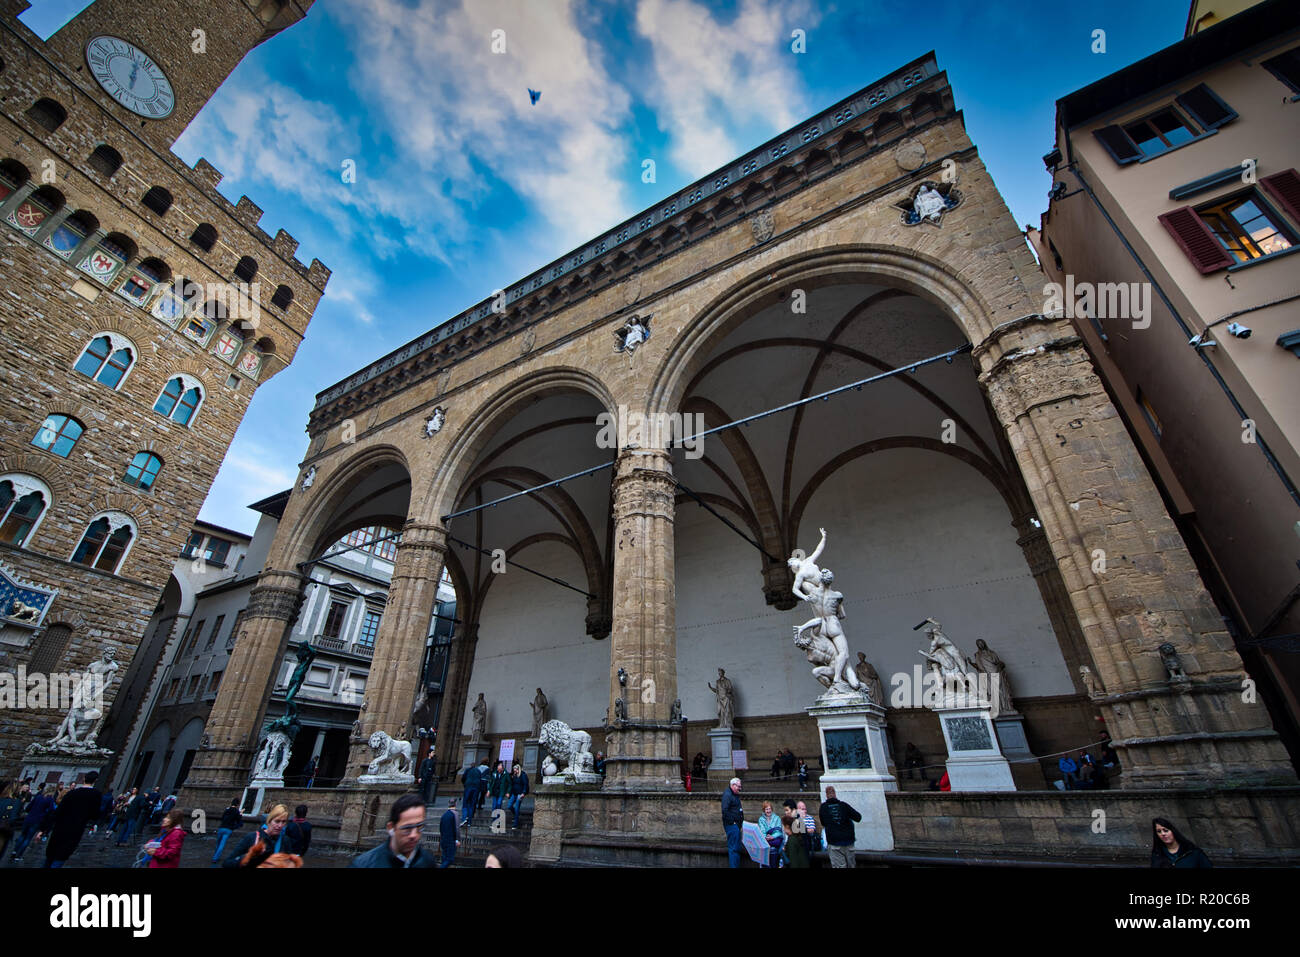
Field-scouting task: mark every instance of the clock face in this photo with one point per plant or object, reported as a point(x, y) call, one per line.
point(129, 76)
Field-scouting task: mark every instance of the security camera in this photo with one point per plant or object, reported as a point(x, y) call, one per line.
point(1238, 330)
point(1199, 341)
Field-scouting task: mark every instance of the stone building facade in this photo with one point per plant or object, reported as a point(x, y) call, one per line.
point(141, 312)
point(974, 477)
point(1180, 263)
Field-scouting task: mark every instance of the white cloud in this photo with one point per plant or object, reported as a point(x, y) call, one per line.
point(460, 107)
point(711, 78)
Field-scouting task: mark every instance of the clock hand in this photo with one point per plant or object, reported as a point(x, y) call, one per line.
point(135, 70)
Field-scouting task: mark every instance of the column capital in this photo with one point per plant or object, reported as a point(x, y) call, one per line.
point(278, 594)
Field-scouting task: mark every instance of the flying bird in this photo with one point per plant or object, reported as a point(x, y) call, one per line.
point(534, 96)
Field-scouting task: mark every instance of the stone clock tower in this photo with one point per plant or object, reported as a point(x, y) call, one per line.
point(192, 46)
point(139, 312)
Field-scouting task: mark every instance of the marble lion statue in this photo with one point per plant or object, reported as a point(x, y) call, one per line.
point(391, 751)
point(571, 749)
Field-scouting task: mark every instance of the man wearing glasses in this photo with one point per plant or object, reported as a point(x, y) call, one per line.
point(405, 828)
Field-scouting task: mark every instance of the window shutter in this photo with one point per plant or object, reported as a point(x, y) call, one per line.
point(1286, 67)
point(1196, 241)
point(1206, 108)
point(1284, 189)
point(1121, 149)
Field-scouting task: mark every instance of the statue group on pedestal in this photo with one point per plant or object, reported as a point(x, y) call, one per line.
point(81, 725)
point(821, 638)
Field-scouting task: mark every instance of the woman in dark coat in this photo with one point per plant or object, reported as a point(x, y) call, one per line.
point(1171, 849)
point(796, 848)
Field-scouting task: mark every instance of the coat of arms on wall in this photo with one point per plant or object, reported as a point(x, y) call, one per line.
point(928, 203)
point(21, 602)
point(762, 225)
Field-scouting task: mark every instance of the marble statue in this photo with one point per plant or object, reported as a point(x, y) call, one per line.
point(945, 659)
point(726, 693)
point(393, 757)
point(480, 719)
point(570, 747)
point(620, 710)
point(1090, 682)
point(356, 725)
point(435, 422)
point(309, 478)
point(539, 706)
point(813, 585)
point(929, 204)
point(675, 716)
point(633, 332)
point(987, 662)
point(870, 680)
point(273, 758)
point(549, 767)
point(1169, 658)
point(85, 717)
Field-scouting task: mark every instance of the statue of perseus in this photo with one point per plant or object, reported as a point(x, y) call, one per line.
point(822, 637)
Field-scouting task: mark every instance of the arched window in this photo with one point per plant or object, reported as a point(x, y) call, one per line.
point(143, 470)
point(47, 113)
point(179, 400)
point(106, 359)
point(283, 297)
point(58, 434)
point(30, 215)
point(69, 234)
point(204, 236)
point(108, 257)
point(246, 269)
point(12, 175)
point(106, 542)
point(141, 281)
point(23, 502)
point(157, 199)
point(105, 160)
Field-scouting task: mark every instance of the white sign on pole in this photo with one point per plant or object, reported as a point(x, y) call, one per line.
point(507, 751)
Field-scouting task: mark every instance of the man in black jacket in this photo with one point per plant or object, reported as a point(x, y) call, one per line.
point(78, 808)
point(402, 849)
point(447, 839)
point(231, 821)
point(425, 780)
point(838, 817)
point(733, 816)
point(473, 782)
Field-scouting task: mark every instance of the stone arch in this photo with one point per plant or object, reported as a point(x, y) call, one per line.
point(473, 437)
point(314, 528)
point(39, 467)
point(922, 275)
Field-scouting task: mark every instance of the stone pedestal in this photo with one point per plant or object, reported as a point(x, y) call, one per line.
point(68, 765)
point(475, 752)
point(723, 742)
point(1025, 769)
point(252, 801)
point(975, 762)
point(855, 755)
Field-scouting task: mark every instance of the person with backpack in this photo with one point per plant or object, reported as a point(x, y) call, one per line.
point(473, 782)
point(268, 846)
point(299, 830)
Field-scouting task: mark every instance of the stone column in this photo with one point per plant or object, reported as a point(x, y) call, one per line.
point(403, 633)
point(235, 723)
point(643, 747)
point(1131, 582)
point(456, 698)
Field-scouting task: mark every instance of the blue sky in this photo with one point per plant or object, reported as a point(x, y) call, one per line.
point(463, 187)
